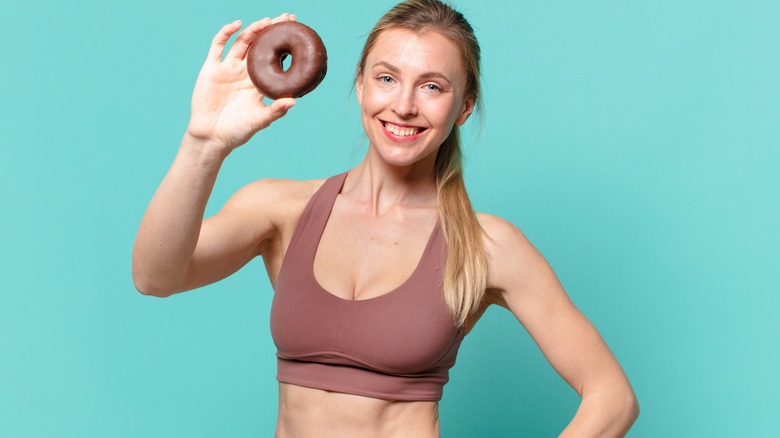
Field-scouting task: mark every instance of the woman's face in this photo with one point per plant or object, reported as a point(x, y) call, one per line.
point(411, 93)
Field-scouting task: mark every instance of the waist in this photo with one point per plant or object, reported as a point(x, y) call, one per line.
point(308, 412)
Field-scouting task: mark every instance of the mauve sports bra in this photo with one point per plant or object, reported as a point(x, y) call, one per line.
point(396, 346)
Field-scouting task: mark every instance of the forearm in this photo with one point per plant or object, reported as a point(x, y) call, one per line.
point(169, 230)
point(604, 415)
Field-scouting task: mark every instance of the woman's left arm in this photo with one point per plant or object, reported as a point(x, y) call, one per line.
point(520, 279)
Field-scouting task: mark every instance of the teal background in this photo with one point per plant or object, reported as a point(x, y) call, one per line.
point(635, 143)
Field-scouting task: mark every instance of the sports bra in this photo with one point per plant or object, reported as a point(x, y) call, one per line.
point(396, 346)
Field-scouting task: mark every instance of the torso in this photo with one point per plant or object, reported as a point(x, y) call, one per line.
point(307, 412)
point(349, 269)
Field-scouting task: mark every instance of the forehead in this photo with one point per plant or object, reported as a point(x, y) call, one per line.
point(417, 53)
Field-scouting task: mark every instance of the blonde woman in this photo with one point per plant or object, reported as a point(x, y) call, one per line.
point(381, 271)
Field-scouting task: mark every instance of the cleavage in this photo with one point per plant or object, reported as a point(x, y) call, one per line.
point(361, 258)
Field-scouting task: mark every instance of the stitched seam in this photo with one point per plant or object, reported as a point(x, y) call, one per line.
point(371, 367)
point(338, 327)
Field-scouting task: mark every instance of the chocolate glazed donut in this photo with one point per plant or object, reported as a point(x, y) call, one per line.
point(274, 44)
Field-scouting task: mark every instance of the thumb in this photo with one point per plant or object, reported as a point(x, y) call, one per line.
point(271, 113)
point(280, 106)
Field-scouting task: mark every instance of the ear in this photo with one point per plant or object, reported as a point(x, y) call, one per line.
point(468, 107)
point(359, 87)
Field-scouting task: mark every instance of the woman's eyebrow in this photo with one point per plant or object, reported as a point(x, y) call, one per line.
point(437, 75)
point(388, 66)
point(427, 75)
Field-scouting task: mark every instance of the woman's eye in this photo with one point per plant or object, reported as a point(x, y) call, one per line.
point(432, 87)
point(385, 79)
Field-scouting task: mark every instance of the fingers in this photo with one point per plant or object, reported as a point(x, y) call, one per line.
point(221, 38)
point(279, 107)
point(271, 113)
point(245, 38)
point(284, 17)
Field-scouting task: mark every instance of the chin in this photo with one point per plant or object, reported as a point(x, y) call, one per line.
point(406, 158)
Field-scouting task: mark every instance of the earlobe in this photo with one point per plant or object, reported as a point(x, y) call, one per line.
point(468, 107)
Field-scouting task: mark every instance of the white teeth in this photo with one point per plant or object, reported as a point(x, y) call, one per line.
point(401, 132)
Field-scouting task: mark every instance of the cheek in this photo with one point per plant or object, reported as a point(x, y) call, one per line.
point(374, 100)
point(442, 113)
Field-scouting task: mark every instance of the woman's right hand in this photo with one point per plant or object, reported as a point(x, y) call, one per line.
point(226, 108)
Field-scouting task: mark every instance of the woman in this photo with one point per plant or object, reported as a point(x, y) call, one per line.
point(378, 273)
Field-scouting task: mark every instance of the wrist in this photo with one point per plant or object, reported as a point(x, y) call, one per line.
point(204, 151)
point(207, 147)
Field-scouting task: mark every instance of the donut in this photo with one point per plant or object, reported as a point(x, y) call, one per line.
point(270, 48)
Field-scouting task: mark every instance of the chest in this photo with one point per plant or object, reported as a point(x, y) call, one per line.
point(362, 258)
point(364, 294)
point(404, 328)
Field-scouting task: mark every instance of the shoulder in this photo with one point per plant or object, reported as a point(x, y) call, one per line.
point(276, 202)
point(503, 237)
point(274, 194)
point(270, 189)
point(514, 264)
point(266, 211)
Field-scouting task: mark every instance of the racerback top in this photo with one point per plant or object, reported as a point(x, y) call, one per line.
point(396, 346)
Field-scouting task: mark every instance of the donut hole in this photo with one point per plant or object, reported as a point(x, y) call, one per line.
point(285, 61)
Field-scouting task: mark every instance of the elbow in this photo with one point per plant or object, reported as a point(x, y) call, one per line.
point(626, 404)
point(630, 403)
point(629, 410)
point(621, 408)
point(153, 282)
point(150, 289)
point(632, 406)
point(146, 286)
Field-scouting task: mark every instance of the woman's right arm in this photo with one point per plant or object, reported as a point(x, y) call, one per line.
point(175, 250)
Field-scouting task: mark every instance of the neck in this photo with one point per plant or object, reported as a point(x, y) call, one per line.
point(385, 187)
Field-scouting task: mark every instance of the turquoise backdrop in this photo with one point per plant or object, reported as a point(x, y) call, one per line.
point(635, 143)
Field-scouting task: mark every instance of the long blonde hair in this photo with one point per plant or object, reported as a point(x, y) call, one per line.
point(465, 273)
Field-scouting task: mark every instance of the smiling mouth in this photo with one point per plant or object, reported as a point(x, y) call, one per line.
point(402, 131)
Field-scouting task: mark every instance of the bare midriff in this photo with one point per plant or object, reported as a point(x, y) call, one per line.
point(307, 412)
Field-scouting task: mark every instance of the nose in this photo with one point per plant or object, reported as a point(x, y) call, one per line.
point(404, 104)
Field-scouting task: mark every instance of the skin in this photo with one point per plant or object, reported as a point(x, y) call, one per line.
point(411, 84)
